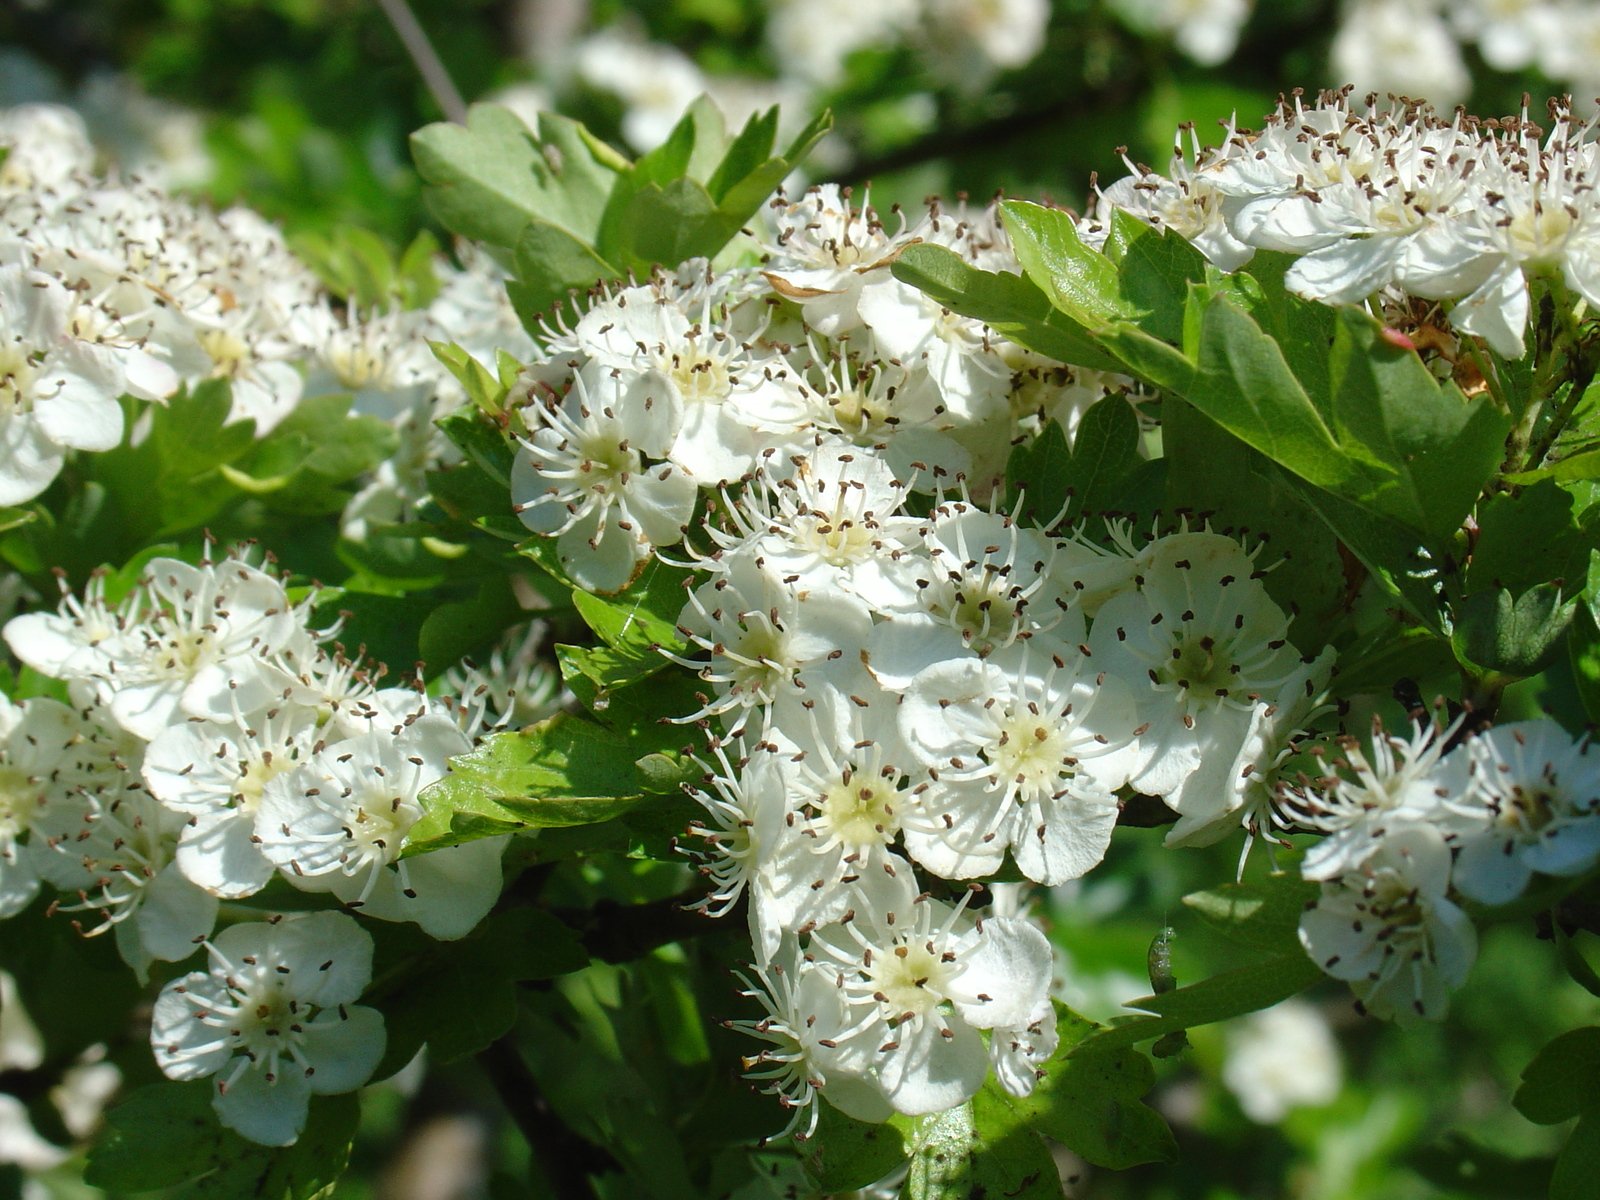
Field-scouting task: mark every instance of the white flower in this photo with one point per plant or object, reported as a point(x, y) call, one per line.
point(1399, 785)
point(1281, 1058)
point(585, 475)
point(338, 821)
point(830, 520)
point(1522, 798)
point(1027, 760)
point(808, 1052)
point(919, 978)
point(1507, 31)
point(1205, 30)
point(37, 767)
point(1019, 1051)
point(1238, 781)
point(213, 773)
point(767, 644)
point(969, 39)
point(1388, 928)
point(1203, 631)
point(273, 1020)
point(113, 848)
point(987, 587)
point(46, 146)
point(202, 646)
point(56, 393)
point(837, 784)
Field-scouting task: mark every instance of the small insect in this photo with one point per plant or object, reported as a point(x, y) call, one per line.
point(1159, 963)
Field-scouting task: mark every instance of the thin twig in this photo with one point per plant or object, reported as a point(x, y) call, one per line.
point(560, 1154)
point(428, 63)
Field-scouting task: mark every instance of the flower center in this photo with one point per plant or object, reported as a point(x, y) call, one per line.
point(356, 365)
point(1527, 812)
point(860, 811)
point(606, 464)
point(986, 610)
point(704, 378)
point(17, 375)
point(18, 793)
point(1033, 753)
point(378, 827)
point(1200, 666)
point(911, 981)
point(228, 352)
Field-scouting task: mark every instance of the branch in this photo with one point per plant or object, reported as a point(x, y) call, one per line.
point(428, 63)
point(565, 1159)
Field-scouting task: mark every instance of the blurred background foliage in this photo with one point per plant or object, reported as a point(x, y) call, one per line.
point(301, 108)
point(306, 104)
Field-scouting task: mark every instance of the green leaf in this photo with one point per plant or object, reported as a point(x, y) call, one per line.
point(1244, 989)
point(954, 1157)
point(1209, 471)
point(159, 1136)
point(1038, 474)
point(690, 196)
point(1578, 1164)
point(482, 387)
point(1011, 305)
point(749, 152)
point(1465, 1168)
point(563, 771)
point(455, 630)
point(1103, 453)
point(1527, 538)
point(643, 615)
point(1581, 466)
point(845, 1154)
point(307, 1170)
point(1263, 915)
point(1514, 637)
point(171, 482)
point(1088, 1099)
point(1079, 280)
point(306, 458)
point(460, 997)
point(166, 1135)
point(1047, 479)
point(484, 443)
point(487, 179)
point(551, 262)
point(1154, 272)
point(1384, 435)
point(1573, 960)
point(1560, 1081)
point(1396, 558)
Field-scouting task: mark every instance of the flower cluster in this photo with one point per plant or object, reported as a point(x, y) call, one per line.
point(1408, 823)
point(905, 686)
point(214, 743)
point(114, 288)
point(1391, 198)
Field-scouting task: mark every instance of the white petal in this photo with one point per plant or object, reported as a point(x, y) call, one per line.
point(272, 1114)
point(343, 1052)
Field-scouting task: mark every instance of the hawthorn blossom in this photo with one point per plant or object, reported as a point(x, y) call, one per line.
point(1520, 798)
point(1387, 927)
point(919, 977)
point(584, 475)
point(337, 822)
point(273, 1021)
